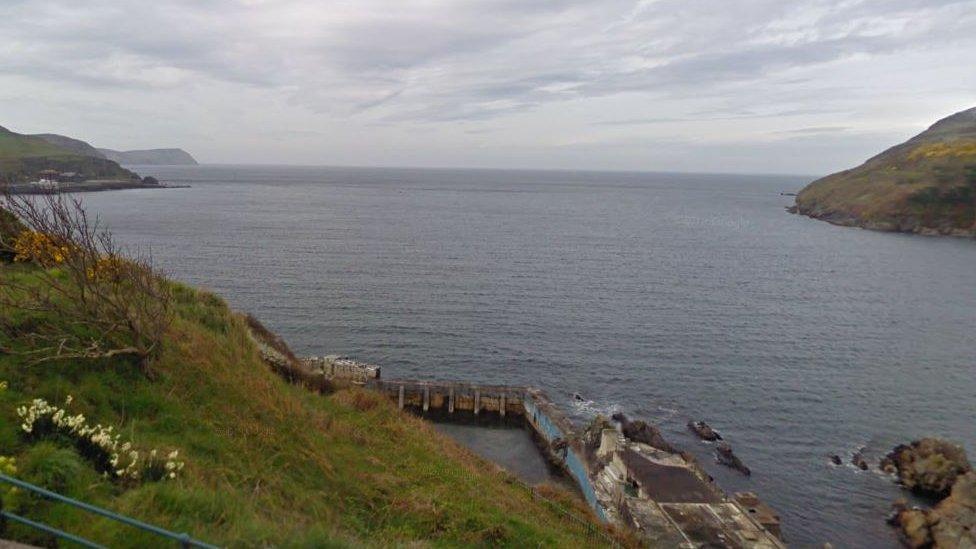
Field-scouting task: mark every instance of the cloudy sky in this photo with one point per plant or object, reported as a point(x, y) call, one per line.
point(767, 86)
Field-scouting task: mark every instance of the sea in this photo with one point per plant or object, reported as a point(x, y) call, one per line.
point(665, 296)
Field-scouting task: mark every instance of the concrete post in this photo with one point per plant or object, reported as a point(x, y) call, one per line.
point(501, 405)
point(477, 401)
point(450, 400)
point(426, 397)
point(401, 397)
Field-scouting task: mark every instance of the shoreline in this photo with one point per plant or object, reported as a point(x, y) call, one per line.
point(883, 227)
point(86, 186)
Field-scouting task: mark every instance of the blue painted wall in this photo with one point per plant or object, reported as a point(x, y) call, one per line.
point(574, 463)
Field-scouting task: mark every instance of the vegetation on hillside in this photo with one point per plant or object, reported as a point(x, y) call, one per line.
point(925, 185)
point(22, 157)
point(262, 461)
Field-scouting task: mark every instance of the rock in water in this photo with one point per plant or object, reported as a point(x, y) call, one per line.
point(928, 466)
point(835, 459)
point(728, 458)
point(858, 460)
point(951, 524)
point(704, 431)
point(641, 431)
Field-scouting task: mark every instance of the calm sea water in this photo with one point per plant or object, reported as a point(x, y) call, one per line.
point(666, 296)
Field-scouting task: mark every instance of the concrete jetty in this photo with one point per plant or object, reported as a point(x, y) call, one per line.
point(665, 497)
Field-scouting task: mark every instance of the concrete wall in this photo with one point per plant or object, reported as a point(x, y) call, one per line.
point(457, 401)
point(551, 426)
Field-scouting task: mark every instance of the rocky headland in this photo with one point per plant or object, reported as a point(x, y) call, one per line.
point(939, 469)
point(926, 185)
point(52, 163)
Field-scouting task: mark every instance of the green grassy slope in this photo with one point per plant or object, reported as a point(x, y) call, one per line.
point(15, 145)
point(266, 462)
point(925, 185)
point(70, 144)
point(23, 156)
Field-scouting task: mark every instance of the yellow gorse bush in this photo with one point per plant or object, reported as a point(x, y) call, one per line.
point(40, 248)
point(944, 150)
point(36, 247)
point(8, 466)
point(107, 268)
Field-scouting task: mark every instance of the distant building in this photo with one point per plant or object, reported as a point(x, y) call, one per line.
point(46, 184)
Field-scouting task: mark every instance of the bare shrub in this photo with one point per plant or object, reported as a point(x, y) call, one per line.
point(88, 299)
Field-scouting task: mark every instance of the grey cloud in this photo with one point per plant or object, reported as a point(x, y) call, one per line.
point(604, 67)
point(816, 130)
point(422, 56)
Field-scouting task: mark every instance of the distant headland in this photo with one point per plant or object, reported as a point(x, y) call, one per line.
point(151, 157)
point(47, 163)
point(926, 185)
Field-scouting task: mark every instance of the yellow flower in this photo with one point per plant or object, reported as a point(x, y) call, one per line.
point(40, 248)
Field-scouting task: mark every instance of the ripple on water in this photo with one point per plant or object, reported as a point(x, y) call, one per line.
point(666, 296)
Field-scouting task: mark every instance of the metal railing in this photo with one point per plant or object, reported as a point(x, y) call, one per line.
point(183, 539)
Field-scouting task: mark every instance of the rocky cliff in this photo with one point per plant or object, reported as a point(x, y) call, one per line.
point(926, 185)
point(150, 157)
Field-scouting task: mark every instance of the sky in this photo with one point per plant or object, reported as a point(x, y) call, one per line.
point(756, 86)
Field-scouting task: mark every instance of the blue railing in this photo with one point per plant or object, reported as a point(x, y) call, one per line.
point(183, 539)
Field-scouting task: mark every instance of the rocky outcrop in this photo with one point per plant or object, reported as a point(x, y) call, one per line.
point(951, 524)
point(928, 466)
point(926, 185)
point(282, 361)
point(728, 458)
point(704, 431)
point(591, 437)
point(641, 431)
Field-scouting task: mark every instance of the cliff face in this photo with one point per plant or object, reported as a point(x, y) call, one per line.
point(150, 157)
point(926, 185)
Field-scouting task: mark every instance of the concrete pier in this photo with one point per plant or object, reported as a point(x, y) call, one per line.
point(454, 398)
point(667, 499)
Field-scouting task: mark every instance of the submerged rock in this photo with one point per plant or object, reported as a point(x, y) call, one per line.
point(728, 458)
point(928, 466)
point(858, 461)
point(704, 431)
point(641, 431)
point(835, 459)
point(952, 523)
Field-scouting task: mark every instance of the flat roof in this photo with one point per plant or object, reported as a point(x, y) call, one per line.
point(667, 483)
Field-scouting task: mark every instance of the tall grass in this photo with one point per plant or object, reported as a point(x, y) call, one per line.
point(267, 462)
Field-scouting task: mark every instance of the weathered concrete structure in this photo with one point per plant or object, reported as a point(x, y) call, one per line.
point(343, 368)
point(672, 502)
point(665, 497)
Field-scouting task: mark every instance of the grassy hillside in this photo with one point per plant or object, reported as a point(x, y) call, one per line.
point(15, 145)
point(23, 156)
point(266, 462)
point(75, 146)
point(925, 185)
